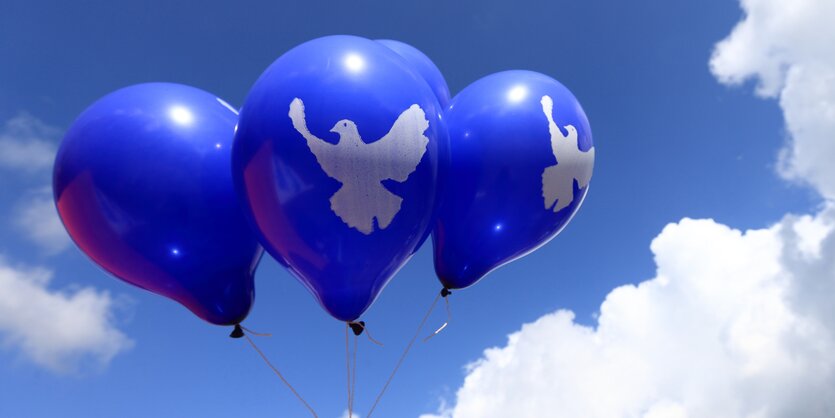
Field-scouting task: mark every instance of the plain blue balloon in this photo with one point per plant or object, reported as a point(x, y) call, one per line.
point(494, 208)
point(143, 184)
point(343, 218)
point(424, 66)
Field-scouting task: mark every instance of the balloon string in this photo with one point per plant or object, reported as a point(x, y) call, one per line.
point(348, 371)
point(278, 373)
point(257, 334)
point(368, 334)
point(351, 369)
point(403, 356)
point(353, 378)
point(448, 319)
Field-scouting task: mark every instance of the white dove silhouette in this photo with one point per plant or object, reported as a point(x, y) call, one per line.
point(361, 166)
point(558, 180)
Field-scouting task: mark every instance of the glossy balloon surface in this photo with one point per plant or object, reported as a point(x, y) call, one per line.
point(333, 197)
point(499, 201)
point(427, 69)
point(433, 76)
point(143, 184)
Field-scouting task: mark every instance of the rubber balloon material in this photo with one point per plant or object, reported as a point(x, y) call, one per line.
point(335, 157)
point(432, 75)
point(143, 184)
point(521, 160)
point(427, 69)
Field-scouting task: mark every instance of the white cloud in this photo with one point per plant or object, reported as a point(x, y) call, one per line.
point(59, 330)
point(353, 414)
point(38, 219)
point(735, 324)
point(788, 48)
point(727, 328)
point(27, 144)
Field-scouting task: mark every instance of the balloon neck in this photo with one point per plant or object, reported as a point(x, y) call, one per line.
point(357, 327)
point(445, 292)
point(238, 332)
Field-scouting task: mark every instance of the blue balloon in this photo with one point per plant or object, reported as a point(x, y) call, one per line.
point(432, 75)
point(336, 158)
point(521, 160)
point(143, 184)
point(427, 69)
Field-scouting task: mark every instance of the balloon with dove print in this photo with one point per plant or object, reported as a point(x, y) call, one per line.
point(521, 161)
point(421, 63)
point(336, 160)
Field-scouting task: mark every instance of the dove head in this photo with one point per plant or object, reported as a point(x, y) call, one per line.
point(572, 131)
point(346, 129)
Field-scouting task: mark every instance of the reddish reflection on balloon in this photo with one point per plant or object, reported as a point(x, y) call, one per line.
point(268, 214)
point(80, 207)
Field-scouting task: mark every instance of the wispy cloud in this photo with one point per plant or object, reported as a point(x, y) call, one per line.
point(27, 144)
point(57, 329)
point(38, 219)
point(61, 330)
point(27, 148)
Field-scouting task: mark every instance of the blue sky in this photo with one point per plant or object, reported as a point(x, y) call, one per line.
point(672, 142)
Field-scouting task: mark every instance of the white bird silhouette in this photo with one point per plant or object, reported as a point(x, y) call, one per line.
point(572, 163)
point(361, 166)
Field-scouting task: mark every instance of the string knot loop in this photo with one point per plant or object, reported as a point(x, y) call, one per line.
point(357, 327)
point(238, 332)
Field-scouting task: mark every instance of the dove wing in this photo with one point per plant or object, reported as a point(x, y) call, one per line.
point(587, 162)
point(324, 151)
point(402, 148)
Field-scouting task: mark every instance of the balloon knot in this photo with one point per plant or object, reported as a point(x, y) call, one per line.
point(238, 332)
point(357, 327)
point(445, 292)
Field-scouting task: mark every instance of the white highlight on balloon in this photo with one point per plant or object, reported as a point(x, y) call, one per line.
point(181, 115)
point(354, 62)
point(517, 94)
point(227, 105)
